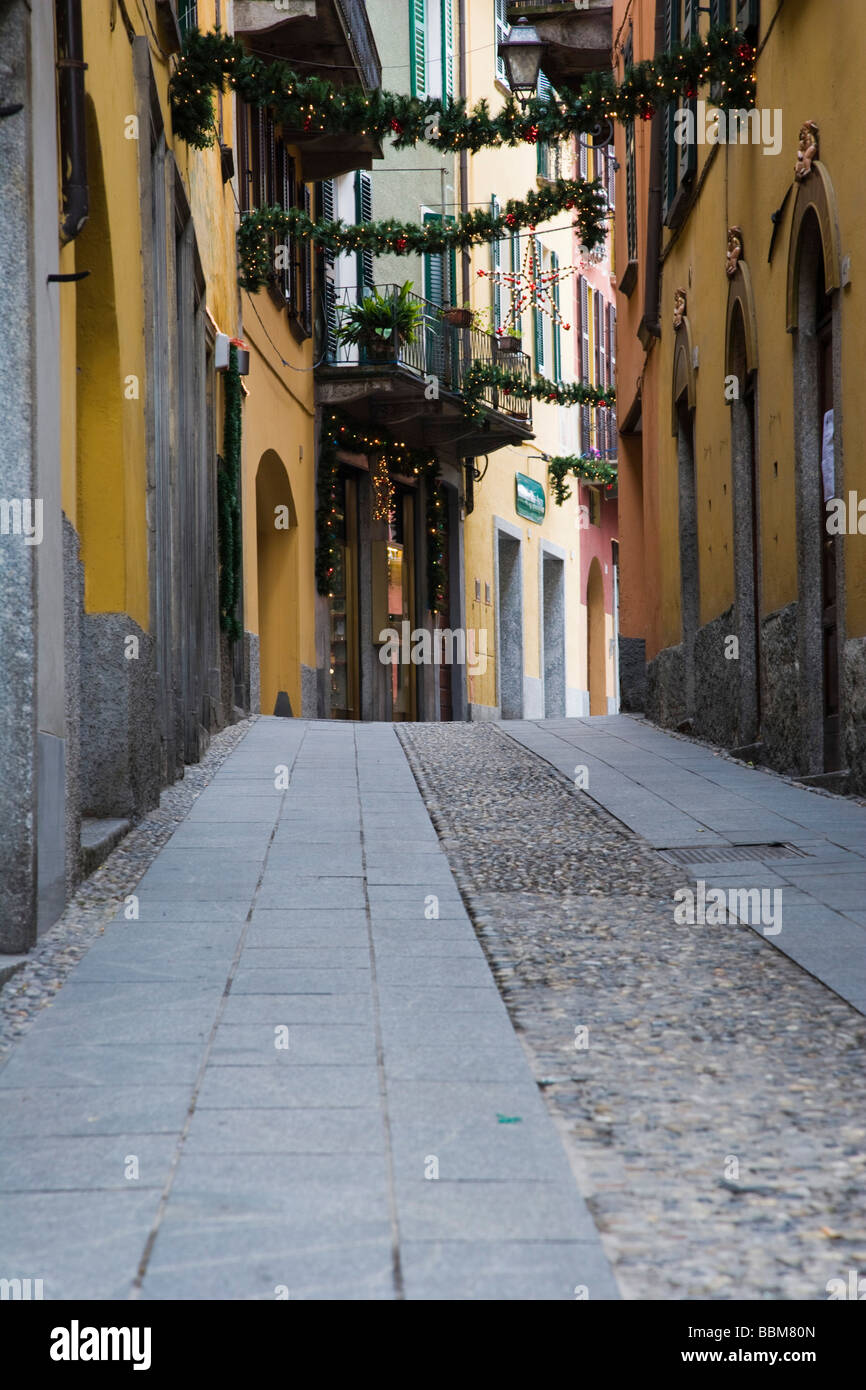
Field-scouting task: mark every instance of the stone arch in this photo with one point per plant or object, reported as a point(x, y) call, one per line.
point(741, 363)
point(277, 557)
point(816, 197)
point(596, 664)
point(683, 402)
point(814, 320)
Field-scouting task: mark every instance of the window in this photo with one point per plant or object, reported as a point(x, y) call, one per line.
point(187, 15)
point(748, 18)
point(613, 441)
point(679, 162)
point(418, 47)
point(268, 178)
point(541, 346)
point(583, 311)
point(516, 262)
point(594, 506)
point(500, 33)
point(496, 266)
point(431, 48)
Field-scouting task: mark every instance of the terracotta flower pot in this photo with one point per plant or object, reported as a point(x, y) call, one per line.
point(507, 344)
point(458, 318)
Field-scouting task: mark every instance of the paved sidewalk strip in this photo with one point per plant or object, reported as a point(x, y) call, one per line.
point(674, 792)
point(292, 1074)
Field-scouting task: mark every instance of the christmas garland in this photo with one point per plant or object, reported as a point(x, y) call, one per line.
point(259, 228)
point(482, 375)
point(340, 434)
point(587, 468)
point(229, 504)
point(211, 62)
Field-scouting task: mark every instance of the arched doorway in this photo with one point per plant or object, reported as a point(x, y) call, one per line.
point(741, 366)
point(595, 645)
point(818, 558)
point(683, 428)
point(277, 552)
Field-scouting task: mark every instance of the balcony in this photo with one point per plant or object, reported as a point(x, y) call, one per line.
point(331, 39)
point(413, 385)
point(577, 38)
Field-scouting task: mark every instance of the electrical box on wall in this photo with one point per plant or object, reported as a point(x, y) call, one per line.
point(222, 348)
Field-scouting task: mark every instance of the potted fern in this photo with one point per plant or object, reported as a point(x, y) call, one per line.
point(381, 323)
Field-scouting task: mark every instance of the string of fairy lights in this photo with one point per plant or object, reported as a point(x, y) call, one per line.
point(340, 435)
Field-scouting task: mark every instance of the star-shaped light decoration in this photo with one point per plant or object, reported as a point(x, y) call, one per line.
point(530, 286)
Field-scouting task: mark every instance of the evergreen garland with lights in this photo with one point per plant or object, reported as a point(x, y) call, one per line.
point(482, 375)
point(229, 503)
point(259, 228)
point(340, 434)
point(213, 62)
point(587, 468)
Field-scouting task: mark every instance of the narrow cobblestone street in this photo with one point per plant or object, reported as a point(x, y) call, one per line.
point(402, 1012)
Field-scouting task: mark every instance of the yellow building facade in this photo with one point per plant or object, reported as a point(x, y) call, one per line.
point(755, 617)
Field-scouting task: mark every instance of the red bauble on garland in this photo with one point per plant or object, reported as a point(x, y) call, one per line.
point(401, 243)
point(530, 135)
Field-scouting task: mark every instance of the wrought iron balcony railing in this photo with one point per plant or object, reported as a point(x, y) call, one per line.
point(420, 341)
point(360, 34)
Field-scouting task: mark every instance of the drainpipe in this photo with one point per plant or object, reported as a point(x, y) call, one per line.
point(73, 141)
point(466, 260)
point(650, 324)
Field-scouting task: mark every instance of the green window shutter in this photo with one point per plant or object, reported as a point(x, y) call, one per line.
point(418, 47)
point(515, 270)
point(544, 151)
point(557, 336)
point(434, 269)
point(364, 213)
point(496, 263)
point(447, 49)
point(537, 320)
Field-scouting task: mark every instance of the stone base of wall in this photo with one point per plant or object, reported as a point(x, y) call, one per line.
point(717, 679)
point(252, 664)
point(632, 674)
point(666, 688)
point(781, 731)
point(73, 617)
point(854, 703)
point(120, 745)
point(483, 713)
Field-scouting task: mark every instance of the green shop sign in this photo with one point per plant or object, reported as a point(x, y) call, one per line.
point(529, 498)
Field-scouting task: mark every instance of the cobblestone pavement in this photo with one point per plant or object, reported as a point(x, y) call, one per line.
point(716, 1119)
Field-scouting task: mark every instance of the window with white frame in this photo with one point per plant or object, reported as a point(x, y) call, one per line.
point(500, 33)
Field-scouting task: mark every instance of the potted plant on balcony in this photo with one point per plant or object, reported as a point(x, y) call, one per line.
point(506, 343)
point(459, 315)
point(382, 323)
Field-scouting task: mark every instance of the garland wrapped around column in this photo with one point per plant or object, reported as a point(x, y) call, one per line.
point(213, 62)
point(587, 468)
point(482, 375)
point(260, 227)
point(339, 433)
point(229, 504)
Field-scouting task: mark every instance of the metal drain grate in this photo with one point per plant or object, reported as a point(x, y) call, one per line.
point(729, 854)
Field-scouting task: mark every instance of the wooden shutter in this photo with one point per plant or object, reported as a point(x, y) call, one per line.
point(418, 47)
point(500, 32)
point(434, 269)
point(544, 152)
point(329, 276)
point(670, 149)
point(611, 373)
point(496, 263)
point(557, 335)
point(515, 270)
point(538, 323)
point(688, 152)
point(306, 247)
point(447, 49)
point(583, 316)
point(364, 213)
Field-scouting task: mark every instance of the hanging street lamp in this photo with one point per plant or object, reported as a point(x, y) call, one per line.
point(521, 53)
